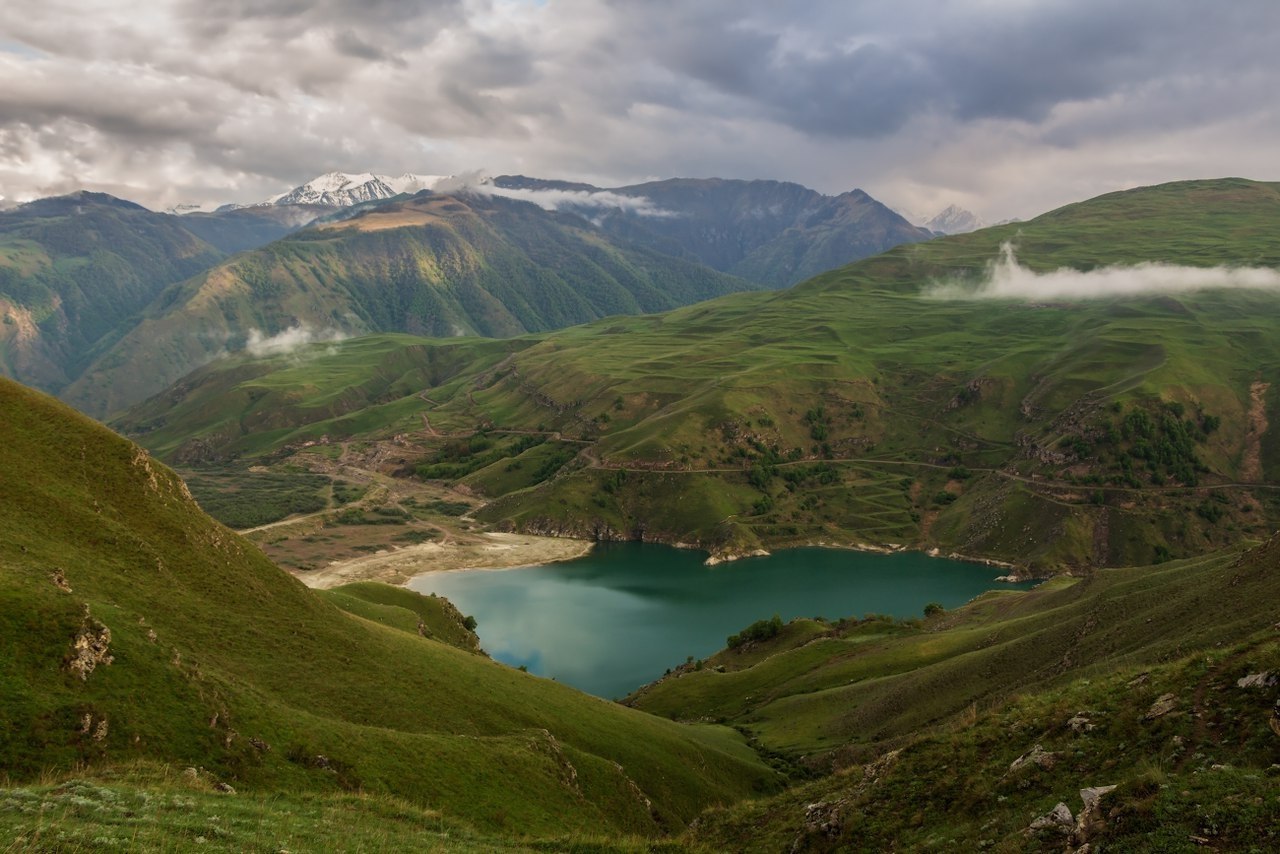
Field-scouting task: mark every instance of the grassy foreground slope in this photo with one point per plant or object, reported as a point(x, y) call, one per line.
point(134, 628)
point(859, 408)
point(959, 731)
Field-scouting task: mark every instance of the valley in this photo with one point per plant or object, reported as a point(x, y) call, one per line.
point(1119, 445)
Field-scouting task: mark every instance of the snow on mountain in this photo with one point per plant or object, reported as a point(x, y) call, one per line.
point(343, 190)
point(186, 208)
point(953, 220)
point(411, 183)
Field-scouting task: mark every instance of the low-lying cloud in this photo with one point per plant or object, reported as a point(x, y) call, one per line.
point(577, 201)
point(260, 344)
point(1005, 278)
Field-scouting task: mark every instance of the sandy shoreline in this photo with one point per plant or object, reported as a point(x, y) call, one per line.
point(487, 551)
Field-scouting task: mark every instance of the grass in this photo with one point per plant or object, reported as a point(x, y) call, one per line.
point(149, 807)
point(222, 660)
point(705, 409)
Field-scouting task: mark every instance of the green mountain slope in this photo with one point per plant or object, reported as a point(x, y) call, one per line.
point(958, 732)
point(76, 271)
point(73, 270)
point(134, 628)
point(433, 265)
point(772, 232)
point(856, 409)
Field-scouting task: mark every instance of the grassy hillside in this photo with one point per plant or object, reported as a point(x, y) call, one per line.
point(73, 271)
point(430, 265)
point(134, 628)
point(854, 408)
point(957, 732)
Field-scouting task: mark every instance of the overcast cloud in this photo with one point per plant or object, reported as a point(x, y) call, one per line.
point(1007, 107)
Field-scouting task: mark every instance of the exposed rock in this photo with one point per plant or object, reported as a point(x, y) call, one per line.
point(259, 744)
point(1037, 756)
point(1081, 723)
point(1163, 705)
point(1265, 679)
point(1140, 679)
point(822, 819)
point(1089, 823)
point(100, 731)
point(1057, 819)
point(59, 579)
point(90, 647)
point(152, 636)
point(224, 788)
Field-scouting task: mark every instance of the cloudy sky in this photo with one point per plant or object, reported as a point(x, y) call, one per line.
point(1007, 107)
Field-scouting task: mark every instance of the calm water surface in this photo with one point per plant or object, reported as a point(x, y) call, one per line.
point(619, 617)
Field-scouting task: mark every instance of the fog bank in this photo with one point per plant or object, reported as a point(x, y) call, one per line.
point(1005, 278)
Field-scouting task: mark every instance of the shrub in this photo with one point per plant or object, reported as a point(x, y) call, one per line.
point(757, 631)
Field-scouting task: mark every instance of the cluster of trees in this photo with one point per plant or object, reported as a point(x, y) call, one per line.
point(758, 631)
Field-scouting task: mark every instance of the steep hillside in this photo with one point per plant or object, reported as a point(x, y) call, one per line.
point(77, 270)
point(856, 408)
point(73, 270)
point(432, 265)
point(962, 731)
point(771, 232)
point(137, 630)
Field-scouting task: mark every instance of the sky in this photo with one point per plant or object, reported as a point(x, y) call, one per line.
point(1005, 107)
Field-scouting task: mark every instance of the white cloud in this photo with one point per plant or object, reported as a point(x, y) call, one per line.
point(1005, 278)
point(1005, 109)
point(552, 199)
point(259, 344)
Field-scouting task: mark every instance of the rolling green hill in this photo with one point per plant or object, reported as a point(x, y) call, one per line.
point(430, 265)
point(857, 408)
point(137, 632)
point(959, 731)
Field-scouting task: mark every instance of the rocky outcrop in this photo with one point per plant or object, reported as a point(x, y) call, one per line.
point(1163, 705)
point(90, 648)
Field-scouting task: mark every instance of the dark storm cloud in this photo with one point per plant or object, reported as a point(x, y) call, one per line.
point(1017, 102)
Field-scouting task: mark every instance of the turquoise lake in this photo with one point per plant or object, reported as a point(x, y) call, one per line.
point(617, 618)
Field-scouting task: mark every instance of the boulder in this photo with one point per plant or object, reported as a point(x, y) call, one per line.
point(1057, 819)
point(1037, 756)
point(1163, 705)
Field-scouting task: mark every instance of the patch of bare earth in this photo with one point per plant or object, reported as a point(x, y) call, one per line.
point(1251, 464)
point(482, 551)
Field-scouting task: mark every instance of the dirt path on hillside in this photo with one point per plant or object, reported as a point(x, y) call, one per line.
point(1251, 465)
point(483, 551)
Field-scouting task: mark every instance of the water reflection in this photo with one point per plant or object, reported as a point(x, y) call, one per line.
point(619, 617)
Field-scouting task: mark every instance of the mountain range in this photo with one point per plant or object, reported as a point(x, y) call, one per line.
point(166, 687)
point(860, 408)
point(354, 254)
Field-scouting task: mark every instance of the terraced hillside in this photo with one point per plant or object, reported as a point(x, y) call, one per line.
point(858, 407)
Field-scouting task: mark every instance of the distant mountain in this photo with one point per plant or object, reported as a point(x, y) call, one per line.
point(339, 189)
point(772, 232)
point(76, 271)
point(953, 220)
point(238, 229)
point(430, 265)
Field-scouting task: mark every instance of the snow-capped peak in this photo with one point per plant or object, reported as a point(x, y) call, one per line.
point(342, 189)
point(953, 220)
